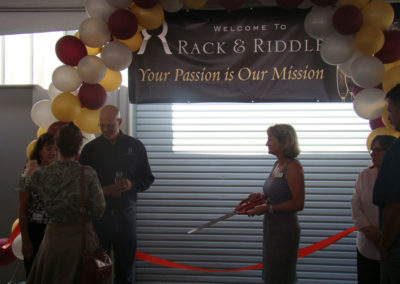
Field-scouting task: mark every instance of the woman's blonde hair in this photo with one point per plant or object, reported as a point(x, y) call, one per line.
point(287, 137)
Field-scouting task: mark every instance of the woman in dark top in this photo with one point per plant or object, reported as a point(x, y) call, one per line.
point(32, 216)
point(284, 194)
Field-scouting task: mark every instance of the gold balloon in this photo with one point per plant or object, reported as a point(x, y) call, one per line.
point(391, 65)
point(358, 3)
point(391, 78)
point(88, 120)
point(381, 131)
point(90, 50)
point(134, 42)
point(369, 39)
point(29, 148)
point(379, 14)
point(112, 80)
point(149, 19)
point(40, 131)
point(195, 4)
point(14, 225)
point(93, 50)
point(385, 118)
point(65, 107)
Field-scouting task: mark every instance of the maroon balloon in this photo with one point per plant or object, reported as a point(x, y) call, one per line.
point(122, 24)
point(390, 52)
point(6, 255)
point(347, 19)
point(92, 96)
point(147, 4)
point(231, 4)
point(55, 126)
point(324, 3)
point(70, 50)
point(376, 123)
point(356, 89)
point(288, 4)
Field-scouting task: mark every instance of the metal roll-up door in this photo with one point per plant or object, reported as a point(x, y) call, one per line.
point(208, 157)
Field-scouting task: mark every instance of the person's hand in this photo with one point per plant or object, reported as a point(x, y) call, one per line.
point(112, 190)
point(30, 167)
point(255, 196)
point(27, 249)
point(124, 185)
point(371, 233)
point(258, 210)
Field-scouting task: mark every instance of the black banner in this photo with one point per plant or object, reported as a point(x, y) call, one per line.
point(247, 55)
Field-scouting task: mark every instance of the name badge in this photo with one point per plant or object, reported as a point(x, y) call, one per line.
point(279, 175)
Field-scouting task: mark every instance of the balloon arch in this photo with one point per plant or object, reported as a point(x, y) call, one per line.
point(355, 34)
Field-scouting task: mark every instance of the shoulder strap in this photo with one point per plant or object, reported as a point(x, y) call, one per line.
point(287, 165)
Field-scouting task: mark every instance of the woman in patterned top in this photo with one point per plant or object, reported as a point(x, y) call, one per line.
point(32, 216)
point(59, 184)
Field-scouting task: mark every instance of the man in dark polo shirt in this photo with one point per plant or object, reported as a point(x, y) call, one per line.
point(123, 169)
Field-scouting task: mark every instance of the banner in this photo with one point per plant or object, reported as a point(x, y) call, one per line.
point(247, 55)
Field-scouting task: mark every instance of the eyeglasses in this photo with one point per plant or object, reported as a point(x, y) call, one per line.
point(376, 150)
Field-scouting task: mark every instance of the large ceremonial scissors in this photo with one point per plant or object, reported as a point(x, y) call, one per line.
point(242, 208)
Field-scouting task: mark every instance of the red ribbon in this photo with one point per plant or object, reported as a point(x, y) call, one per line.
point(302, 253)
point(12, 237)
point(157, 260)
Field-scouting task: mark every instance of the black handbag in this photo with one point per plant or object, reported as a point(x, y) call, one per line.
point(97, 264)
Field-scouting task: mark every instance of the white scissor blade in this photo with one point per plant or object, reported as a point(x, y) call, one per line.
point(212, 222)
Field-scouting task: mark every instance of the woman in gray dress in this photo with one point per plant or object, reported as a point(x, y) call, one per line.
point(284, 194)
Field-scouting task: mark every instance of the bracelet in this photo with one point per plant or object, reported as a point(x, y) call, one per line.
point(270, 209)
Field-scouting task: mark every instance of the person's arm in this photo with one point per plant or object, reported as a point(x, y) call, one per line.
point(360, 218)
point(390, 226)
point(143, 177)
point(96, 202)
point(23, 204)
point(295, 180)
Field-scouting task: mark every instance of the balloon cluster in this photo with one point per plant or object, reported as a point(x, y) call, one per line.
point(95, 56)
point(356, 37)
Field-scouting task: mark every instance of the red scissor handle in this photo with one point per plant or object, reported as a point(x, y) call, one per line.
point(245, 205)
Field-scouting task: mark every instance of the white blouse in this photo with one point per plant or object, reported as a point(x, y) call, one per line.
point(365, 213)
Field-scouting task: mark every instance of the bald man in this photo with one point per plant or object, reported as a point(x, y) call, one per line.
point(123, 169)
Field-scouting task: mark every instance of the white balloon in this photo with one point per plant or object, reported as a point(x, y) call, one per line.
point(119, 3)
point(116, 55)
point(99, 9)
point(318, 22)
point(66, 78)
point(41, 114)
point(345, 66)
point(53, 91)
point(369, 103)
point(337, 48)
point(367, 71)
point(16, 247)
point(91, 69)
point(94, 32)
point(172, 6)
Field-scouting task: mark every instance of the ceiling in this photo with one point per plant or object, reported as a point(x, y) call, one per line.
point(10, 5)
